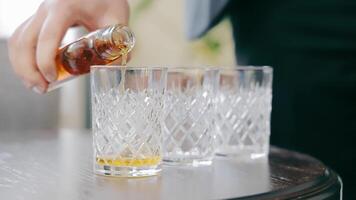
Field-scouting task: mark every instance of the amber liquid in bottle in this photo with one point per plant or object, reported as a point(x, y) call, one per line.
point(98, 48)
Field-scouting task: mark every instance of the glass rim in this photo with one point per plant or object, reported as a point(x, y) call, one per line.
point(174, 69)
point(248, 68)
point(170, 68)
point(127, 67)
point(191, 67)
point(215, 67)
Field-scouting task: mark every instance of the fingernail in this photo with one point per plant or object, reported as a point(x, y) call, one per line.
point(51, 77)
point(38, 89)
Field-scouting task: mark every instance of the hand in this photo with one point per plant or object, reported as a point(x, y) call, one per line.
point(33, 46)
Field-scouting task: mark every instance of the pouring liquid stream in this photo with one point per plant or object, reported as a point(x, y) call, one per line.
point(123, 70)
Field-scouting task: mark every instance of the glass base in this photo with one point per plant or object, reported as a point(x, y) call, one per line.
point(107, 170)
point(241, 152)
point(187, 162)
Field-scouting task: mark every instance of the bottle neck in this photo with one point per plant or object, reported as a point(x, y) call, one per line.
point(114, 42)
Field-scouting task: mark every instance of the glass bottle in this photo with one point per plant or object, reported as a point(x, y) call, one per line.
point(100, 47)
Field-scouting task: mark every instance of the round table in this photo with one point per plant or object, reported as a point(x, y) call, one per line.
point(58, 165)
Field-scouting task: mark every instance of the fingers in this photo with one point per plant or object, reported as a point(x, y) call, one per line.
point(33, 46)
point(22, 47)
point(49, 39)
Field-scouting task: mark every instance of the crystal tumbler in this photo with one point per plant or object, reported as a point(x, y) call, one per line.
point(243, 111)
point(188, 122)
point(127, 105)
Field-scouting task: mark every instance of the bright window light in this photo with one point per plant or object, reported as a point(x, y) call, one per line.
point(14, 12)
